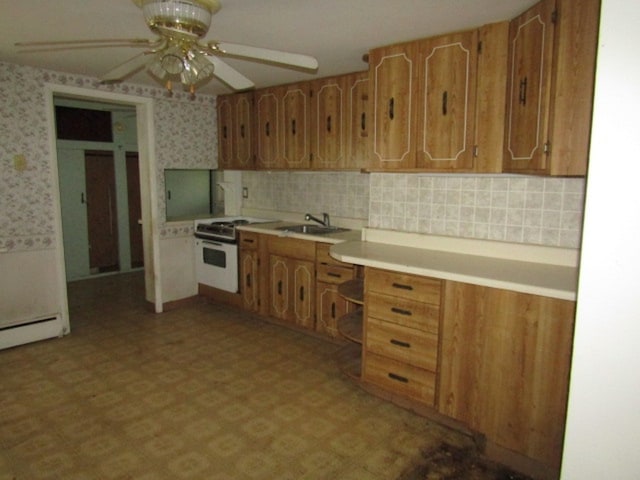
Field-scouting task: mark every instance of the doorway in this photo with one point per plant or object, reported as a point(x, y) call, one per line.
point(148, 253)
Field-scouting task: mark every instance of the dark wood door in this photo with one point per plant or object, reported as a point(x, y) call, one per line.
point(135, 210)
point(102, 214)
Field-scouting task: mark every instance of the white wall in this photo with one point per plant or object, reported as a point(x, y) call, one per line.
point(603, 425)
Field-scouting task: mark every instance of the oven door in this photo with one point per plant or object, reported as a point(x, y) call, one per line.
point(217, 264)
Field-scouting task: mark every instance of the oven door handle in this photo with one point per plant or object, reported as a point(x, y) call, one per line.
point(209, 242)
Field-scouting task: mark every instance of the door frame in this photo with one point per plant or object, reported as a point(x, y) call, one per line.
point(148, 186)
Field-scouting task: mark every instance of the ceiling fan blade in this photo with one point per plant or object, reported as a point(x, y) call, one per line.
point(124, 69)
point(108, 42)
point(229, 75)
point(264, 54)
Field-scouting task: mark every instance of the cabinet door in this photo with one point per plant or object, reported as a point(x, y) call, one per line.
point(447, 100)
point(243, 131)
point(279, 287)
point(302, 295)
point(294, 126)
point(267, 113)
point(225, 131)
point(393, 77)
point(249, 280)
point(328, 145)
point(358, 139)
point(505, 367)
point(530, 61)
point(330, 306)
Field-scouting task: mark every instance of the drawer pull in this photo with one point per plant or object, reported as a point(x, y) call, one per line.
point(401, 286)
point(399, 378)
point(401, 311)
point(400, 343)
point(333, 310)
point(248, 282)
point(332, 274)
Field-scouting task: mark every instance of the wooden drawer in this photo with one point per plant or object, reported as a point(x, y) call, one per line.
point(249, 240)
point(323, 256)
point(408, 313)
point(333, 274)
point(412, 287)
point(400, 378)
point(292, 248)
point(407, 345)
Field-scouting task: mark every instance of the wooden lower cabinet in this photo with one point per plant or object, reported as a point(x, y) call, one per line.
point(250, 271)
point(505, 365)
point(330, 306)
point(292, 290)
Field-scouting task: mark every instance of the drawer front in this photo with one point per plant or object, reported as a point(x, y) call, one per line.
point(412, 287)
point(408, 313)
point(400, 378)
point(292, 248)
point(249, 240)
point(333, 274)
point(407, 345)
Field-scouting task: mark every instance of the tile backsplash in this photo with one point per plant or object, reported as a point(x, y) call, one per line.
point(520, 209)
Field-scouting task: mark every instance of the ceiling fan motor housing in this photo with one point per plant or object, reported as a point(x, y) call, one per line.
point(188, 17)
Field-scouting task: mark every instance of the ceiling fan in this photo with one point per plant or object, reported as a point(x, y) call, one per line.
point(179, 53)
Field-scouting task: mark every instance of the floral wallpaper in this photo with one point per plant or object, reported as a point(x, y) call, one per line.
point(185, 137)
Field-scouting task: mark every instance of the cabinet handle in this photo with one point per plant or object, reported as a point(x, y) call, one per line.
point(336, 275)
point(363, 121)
point(248, 282)
point(401, 311)
point(280, 287)
point(391, 108)
point(247, 240)
point(400, 343)
point(399, 378)
point(329, 124)
point(302, 294)
point(242, 130)
point(293, 126)
point(267, 129)
point(401, 286)
point(333, 310)
point(224, 132)
point(523, 91)
point(445, 96)
point(82, 200)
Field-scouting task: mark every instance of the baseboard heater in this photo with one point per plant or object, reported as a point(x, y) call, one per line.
point(31, 331)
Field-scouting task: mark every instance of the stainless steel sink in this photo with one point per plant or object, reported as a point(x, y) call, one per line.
point(312, 229)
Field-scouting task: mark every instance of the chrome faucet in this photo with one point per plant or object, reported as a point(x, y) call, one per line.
point(325, 219)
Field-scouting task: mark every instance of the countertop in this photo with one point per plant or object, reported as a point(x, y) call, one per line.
point(538, 270)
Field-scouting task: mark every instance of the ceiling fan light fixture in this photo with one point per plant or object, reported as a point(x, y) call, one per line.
point(189, 17)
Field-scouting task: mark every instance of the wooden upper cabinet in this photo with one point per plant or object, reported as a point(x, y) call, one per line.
point(427, 114)
point(328, 123)
point(393, 76)
point(294, 125)
point(358, 120)
point(529, 89)
point(235, 131)
point(445, 135)
point(551, 78)
point(267, 107)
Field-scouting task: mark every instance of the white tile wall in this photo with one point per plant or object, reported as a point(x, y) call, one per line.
point(521, 209)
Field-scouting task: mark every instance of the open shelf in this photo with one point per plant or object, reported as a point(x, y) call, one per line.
point(350, 326)
point(353, 290)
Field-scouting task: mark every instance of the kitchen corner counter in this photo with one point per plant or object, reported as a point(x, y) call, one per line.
point(556, 280)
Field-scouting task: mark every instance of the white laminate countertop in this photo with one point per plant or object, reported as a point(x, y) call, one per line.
point(549, 280)
point(271, 228)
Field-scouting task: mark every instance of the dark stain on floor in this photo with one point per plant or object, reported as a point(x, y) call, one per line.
point(447, 462)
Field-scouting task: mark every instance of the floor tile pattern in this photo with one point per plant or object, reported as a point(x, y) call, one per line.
point(202, 392)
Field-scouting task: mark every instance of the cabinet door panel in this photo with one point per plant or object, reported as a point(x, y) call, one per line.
point(531, 41)
point(243, 134)
point(303, 292)
point(280, 290)
point(249, 280)
point(393, 74)
point(447, 108)
point(294, 127)
point(359, 121)
point(330, 307)
point(267, 144)
point(328, 124)
point(225, 131)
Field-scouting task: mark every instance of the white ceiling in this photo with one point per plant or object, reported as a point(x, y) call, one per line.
point(336, 32)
